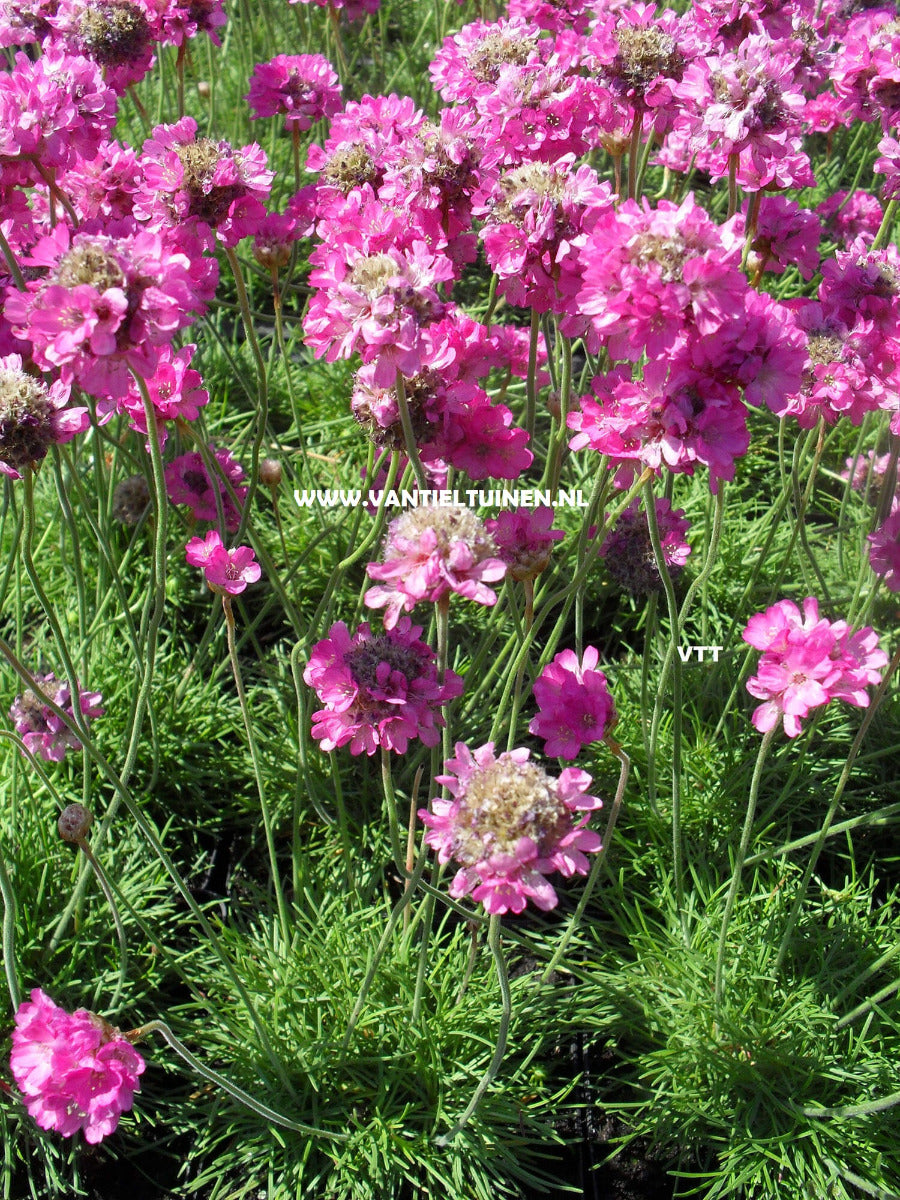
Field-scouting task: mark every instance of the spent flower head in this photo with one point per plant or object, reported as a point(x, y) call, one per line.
point(508, 825)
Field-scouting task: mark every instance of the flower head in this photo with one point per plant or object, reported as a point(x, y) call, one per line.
point(808, 661)
point(524, 539)
point(884, 555)
point(44, 733)
point(430, 552)
point(227, 571)
point(508, 825)
point(188, 482)
point(32, 417)
point(378, 689)
point(574, 704)
point(74, 1070)
point(303, 87)
point(628, 549)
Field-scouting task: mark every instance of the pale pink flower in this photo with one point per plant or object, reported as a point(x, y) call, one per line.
point(182, 21)
point(191, 178)
point(227, 571)
point(378, 689)
point(889, 165)
point(429, 552)
point(508, 825)
point(110, 303)
point(175, 391)
point(74, 1070)
point(42, 731)
point(118, 35)
point(574, 705)
point(188, 482)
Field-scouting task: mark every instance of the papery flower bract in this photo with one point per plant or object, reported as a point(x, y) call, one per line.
point(575, 707)
point(42, 731)
point(808, 661)
point(304, 87)
point(74, 1070)
point(379, 689)
point(429, 552)
point(33, 417)
point(508, 825)
point(227, 571)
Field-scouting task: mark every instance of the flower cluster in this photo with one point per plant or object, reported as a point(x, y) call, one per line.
point(44, 733)
point(227, 572)
point(378, 689)
point(574, 704)
point(508, 825)
point(74, 1070)
point(808, 661)
point(430, 552)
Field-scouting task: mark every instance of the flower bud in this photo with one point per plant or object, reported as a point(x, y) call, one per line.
point(270, 473)
point(74, 822)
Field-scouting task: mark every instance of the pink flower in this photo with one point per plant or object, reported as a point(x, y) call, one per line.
point(574, 704)
point(628, 550)
point(110, 303)
point(118, 35)
point(227, 571)
point(524, 540)
point(847, 216)
point(183, 21)
point(42, 731)
point(889, 166)
point(74, 1070)
point(378, 689)
point(884, 555)
point(430, 552)
point(302, 86)
point(508, 825)
point(188, 482)
point(808, 661)
point(196, 179)
point(175, 391)
point(33, 417)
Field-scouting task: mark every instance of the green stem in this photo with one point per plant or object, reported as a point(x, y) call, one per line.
point(832, 810)
point(9, 933)
point(575, 919)
point(257, 772)
point(117, 921)
point(269, 1114)
point(739, 861)
point(493, 940)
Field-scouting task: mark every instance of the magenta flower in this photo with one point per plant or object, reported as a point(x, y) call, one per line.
point(508, 825)
point(183, 21)
point(75, 1070)
point(524, 540)
point(110, 303)
point(45, 735)
point(188, 482)
point(628, 550)
point(884, 555)
point(430, 552)
point(175, 391)
point(227, 571)
point(808, 661)
point(574, 704)
point(378, 689)
point(33, 417)
point(191, 178)
point(302, 86)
